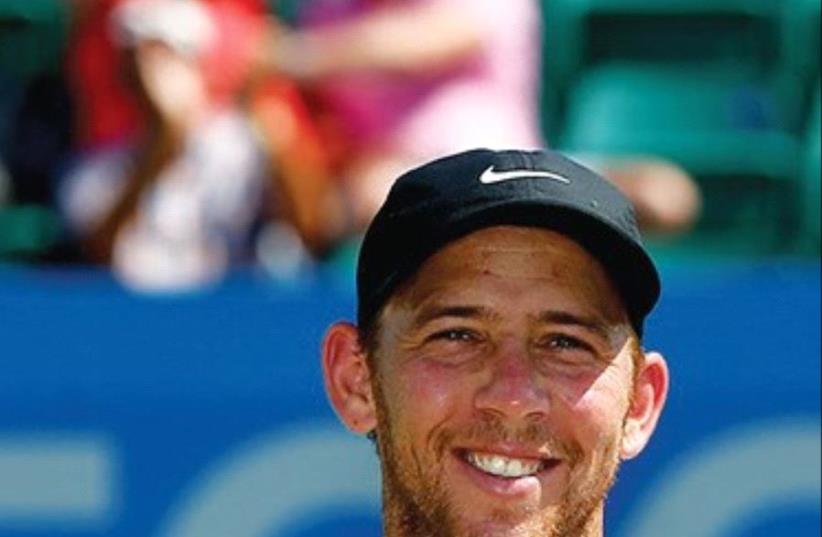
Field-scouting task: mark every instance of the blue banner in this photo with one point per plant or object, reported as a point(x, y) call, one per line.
point(204, 415)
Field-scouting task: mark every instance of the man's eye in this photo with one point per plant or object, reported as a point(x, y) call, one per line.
point(456, 334)
point(563, 342)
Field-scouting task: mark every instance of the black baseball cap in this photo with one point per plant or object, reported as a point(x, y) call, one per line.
point(448, 198)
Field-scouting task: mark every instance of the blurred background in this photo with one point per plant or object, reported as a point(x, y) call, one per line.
point(183, 189)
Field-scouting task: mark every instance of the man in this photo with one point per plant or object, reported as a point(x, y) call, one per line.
point(498, 356)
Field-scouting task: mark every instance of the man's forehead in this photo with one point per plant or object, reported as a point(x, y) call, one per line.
point(518, 240)
point(539, 258)
point(512, 250)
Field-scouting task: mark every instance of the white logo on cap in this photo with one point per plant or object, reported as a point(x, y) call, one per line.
point(491, 176)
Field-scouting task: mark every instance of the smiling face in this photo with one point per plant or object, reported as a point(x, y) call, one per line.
point(503, 377)
point(504, 390)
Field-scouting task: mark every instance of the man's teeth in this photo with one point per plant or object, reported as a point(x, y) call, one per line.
point(503, 466)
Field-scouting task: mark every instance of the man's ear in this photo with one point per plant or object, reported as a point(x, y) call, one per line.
point(348, 378)
point(650, 392)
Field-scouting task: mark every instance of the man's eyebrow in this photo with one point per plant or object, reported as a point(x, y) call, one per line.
point(592, 324)
point(432, 313)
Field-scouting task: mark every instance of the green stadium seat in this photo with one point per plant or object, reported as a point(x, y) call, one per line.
point(29, 11)
point(671, 111)
point(812, 196)
point(32, 35)
point(718, 131)
point(718, 86)
point(27, 231)
point(583, 33)
point(694, 81)
point(799, 58)
point(736, 41)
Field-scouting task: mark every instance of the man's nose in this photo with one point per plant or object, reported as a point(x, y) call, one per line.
point(514, 389)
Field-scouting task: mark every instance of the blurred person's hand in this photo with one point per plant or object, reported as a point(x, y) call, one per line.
point(268, 56)
point(667, 200)
point(387, 40)
point(289, 54)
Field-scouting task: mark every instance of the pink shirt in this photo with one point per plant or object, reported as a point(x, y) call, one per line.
point(489, 100)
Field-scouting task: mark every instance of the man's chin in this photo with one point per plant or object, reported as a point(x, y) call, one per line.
point(505, 525)
point(482, 519)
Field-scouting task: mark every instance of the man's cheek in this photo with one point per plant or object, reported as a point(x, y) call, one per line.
point(595, 423)
point(592, 391)
point(430, 388)
point(570, 389)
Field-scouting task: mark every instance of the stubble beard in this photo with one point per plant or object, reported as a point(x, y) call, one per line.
point(416, 501)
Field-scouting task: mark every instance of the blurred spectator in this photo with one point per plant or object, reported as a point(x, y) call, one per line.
point(398, 82)
point(174, 203)
point(305, 213)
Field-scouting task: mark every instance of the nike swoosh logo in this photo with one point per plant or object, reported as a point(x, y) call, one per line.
point(491, 176)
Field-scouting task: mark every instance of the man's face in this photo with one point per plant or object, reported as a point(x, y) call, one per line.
point(503, 378)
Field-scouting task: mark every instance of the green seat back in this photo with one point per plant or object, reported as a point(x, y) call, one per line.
point(747, 169)
point(27, 231)
point(32, 36)
point(812, 171)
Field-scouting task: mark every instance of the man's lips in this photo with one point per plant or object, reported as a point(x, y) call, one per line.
point(507, 463)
